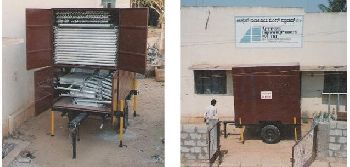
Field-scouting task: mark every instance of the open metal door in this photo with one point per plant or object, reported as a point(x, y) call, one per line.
point(133, 39)
point(39, 54)
point(39, 38)
point(44, 92)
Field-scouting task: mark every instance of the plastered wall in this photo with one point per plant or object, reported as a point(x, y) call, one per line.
point(312, 100)
point(208, 37)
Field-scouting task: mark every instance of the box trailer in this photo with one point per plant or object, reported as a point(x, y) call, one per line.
point(85, 62)
point(267, 97)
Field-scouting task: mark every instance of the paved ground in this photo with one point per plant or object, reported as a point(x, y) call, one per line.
point(255, 152)
point(326, 163)
point(100, 147)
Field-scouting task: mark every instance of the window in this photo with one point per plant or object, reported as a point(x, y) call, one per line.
point(334, 82)
point(210, 82)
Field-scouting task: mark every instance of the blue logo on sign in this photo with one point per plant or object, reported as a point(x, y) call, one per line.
point(254, 34)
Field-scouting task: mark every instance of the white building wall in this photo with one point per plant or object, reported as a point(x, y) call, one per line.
point(194, 105)
point(312, 100)
point(122, 3)
point(216, 45)
point(18, 83)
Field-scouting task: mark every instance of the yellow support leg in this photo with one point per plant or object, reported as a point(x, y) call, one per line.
point(115, 107)
point(135, 97)
point(121, 128)
point(243, 129)
point(52, 123)
point(241, 136)
point(295, 129)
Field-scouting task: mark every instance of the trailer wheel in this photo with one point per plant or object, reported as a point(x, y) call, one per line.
point(270, 134)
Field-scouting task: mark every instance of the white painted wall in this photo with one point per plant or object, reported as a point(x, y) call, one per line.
point(312, 100)
point(18, 83)
point(193, 105)
point(123, 3)
point(215, 45)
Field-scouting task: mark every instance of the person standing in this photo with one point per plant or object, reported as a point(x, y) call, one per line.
point(211, 114)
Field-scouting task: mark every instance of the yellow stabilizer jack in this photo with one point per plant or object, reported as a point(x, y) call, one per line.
point(121, 123)
point(115, 107)
point(52, 123)
point(241, 137)
point(295, 129)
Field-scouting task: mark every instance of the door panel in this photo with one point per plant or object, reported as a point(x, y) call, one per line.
point(38, 38)
point(133, 39)
point(43, 87)
point(284, 84)
point(125, 80)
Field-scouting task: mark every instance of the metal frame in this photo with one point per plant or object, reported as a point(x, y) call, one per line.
point(225, 127)
point(309, 161)
point(218, 152)
point(77, 116)
point(338, 98)
point(75, 120)
point(74, 124)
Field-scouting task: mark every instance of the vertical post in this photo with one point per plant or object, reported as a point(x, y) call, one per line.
point(121, 123)
point(314, 146)
point(242, 130)
point(295, 129)
point(78, 133)
point(115, 108)
point(135, 97)
point(52, 123)
point(329, 103)
point(225, 134)
point(74, 143)
point(292, 159)
point(218, 142)
point(346, 105)
point(338, 98)
point(209, 143)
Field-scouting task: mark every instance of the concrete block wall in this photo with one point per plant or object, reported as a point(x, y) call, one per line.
point(194, 143)
point(331, 139)
point(337, 139)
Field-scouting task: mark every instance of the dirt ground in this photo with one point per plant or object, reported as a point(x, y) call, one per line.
point(143, 138)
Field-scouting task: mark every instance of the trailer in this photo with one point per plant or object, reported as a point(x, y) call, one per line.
point(85, 62)
point(267, 98)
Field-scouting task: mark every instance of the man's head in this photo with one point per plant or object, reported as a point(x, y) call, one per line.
point(213, 102)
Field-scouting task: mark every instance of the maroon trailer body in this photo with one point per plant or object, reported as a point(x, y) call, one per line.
point(64, 41)
point(267, 97)
point(40, 41)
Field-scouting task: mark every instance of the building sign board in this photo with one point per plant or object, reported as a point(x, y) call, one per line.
point(266, 94)
point(269, 31)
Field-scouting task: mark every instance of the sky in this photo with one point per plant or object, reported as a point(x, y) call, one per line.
point(310, 6)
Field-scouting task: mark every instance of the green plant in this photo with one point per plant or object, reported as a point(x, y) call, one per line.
point(322, 117)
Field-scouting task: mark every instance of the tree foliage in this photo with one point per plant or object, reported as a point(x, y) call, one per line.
point(157, 5)
point(334, 6)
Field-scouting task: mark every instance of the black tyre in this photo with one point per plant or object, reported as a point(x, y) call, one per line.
point(270, 134)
